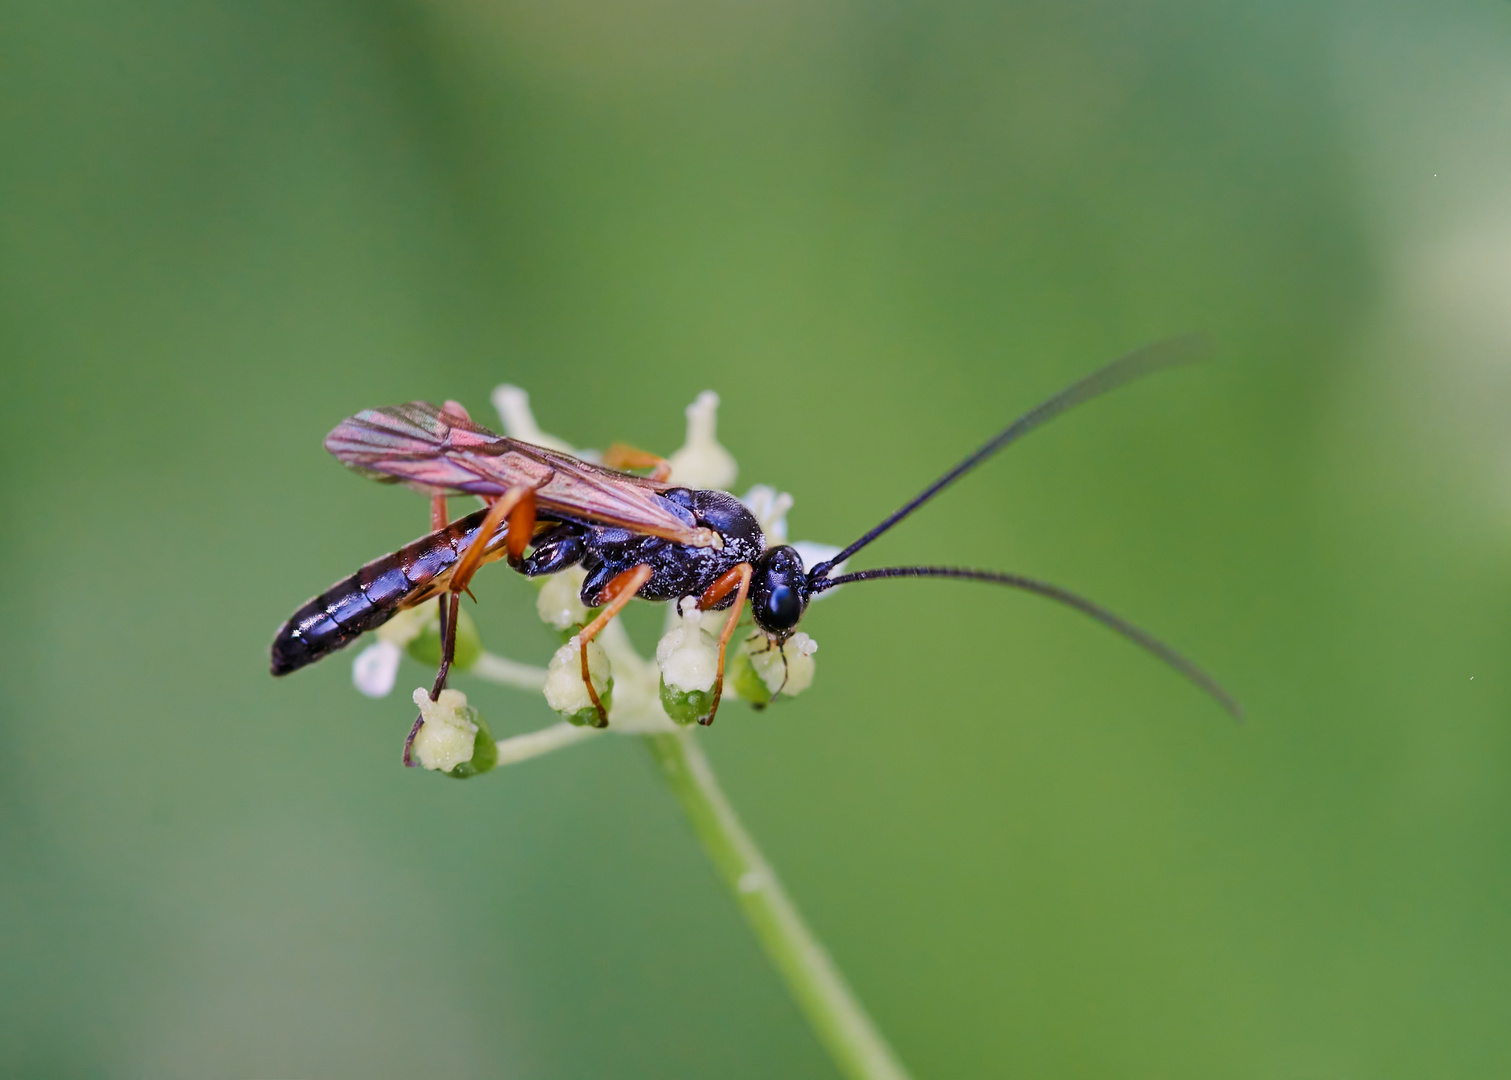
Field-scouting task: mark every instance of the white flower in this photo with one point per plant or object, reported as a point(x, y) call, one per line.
point(559, 604)
point(566, 692)
point(376, 667)
point(687, 654)
point(448, 734)
point(788, 670)
point(770, 508)
point(702, 462)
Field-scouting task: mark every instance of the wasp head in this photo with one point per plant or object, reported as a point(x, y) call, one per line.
point(778, 591)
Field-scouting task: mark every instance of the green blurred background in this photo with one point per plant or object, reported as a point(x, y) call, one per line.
point(879, 231)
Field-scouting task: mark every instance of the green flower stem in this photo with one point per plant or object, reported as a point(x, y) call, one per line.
point(508, 672)
point(535, 743)
point(837, 1017)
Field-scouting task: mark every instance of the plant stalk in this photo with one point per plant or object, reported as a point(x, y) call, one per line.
point(836, 1015)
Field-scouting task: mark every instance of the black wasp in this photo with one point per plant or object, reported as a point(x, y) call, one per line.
point(634, 535)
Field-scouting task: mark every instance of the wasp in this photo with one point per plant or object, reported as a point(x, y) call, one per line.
point(634, 535)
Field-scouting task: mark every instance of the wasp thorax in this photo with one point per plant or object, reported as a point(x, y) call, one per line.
point(778, 590)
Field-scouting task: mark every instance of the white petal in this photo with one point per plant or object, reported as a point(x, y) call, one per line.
point(770, 508)
point(374, 670)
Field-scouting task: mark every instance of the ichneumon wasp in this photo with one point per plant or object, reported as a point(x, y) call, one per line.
point(635, 536)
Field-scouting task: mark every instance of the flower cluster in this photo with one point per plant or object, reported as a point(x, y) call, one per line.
point(642, 696)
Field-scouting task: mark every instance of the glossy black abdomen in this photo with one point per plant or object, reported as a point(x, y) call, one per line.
point(372, 596)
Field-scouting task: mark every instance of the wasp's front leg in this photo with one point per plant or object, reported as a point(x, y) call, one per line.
point(615, 595)
point(737, 577)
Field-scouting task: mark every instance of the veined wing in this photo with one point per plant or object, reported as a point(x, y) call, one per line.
point(435, 452)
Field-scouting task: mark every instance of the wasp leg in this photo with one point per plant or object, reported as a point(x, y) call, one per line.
point(502, 508)
point(516, 498)
point(468, 565)
point(448, 653)
point(439, 519)
point(616, 594)
point(621, 456)
point(521, 529)
point(737, 576)
point(518, 505)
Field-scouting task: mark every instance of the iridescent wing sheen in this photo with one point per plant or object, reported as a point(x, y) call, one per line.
point(435, 452)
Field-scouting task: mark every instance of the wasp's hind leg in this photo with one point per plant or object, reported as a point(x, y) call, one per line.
point(449, 603)
point(615, 595)
point(621, 456)
point(737, 577)
point(518, 505)
point(440, 517)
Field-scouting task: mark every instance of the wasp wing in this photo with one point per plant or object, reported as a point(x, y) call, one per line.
point(435, 451)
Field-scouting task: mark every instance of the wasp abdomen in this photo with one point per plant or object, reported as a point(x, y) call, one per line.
point(373, 595)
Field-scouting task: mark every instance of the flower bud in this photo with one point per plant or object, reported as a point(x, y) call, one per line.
point(559, 604)
point(452, 738)
point(688, 656)
point(702, 462)
point(564, 688)
point(759, 670)
point(376, 667)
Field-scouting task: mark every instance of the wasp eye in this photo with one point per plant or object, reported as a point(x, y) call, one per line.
point(784, 607)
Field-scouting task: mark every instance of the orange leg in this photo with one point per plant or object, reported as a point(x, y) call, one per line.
point(735, 576)
point(616, 594)
point(472, 558)
point(620, 456)
point(503, 507)
point(521, 528)
point(439, 519)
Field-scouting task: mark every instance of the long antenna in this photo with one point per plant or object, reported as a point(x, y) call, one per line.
point(1172, 352)
point(1063, 596)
